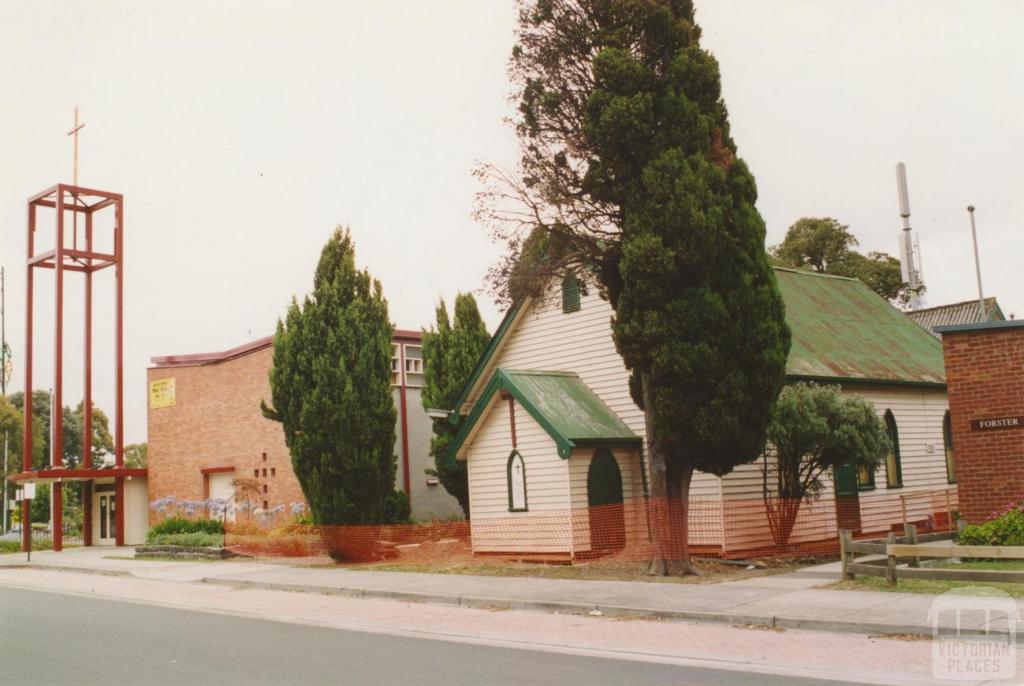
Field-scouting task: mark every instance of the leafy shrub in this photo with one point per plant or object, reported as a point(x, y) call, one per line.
point(180, 525)
point(38, 543)
point(396, 508)
point(195, 539)
point(1005, 528)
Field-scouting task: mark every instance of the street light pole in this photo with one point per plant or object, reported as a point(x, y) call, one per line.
point(983, 316)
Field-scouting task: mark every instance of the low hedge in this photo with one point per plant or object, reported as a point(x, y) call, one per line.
point(1006, 528)
point(196, 539)
point(180, 525)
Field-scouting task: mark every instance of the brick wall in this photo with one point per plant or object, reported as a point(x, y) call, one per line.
point(985, 379)
point(216, 422)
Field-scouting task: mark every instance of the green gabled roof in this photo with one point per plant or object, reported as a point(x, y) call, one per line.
point(560, 403)
point(844, 331)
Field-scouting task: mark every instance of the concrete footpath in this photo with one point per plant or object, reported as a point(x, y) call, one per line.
point(790, 601)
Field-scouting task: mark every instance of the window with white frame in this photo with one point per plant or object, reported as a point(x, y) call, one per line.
point(413, 365)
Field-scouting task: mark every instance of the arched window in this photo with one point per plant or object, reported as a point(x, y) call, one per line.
point(947, 440)
point(893, 470)
point(516, 469)
point(570, 294)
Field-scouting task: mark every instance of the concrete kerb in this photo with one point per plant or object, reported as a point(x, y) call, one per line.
point(63, 568)
point(498, 603)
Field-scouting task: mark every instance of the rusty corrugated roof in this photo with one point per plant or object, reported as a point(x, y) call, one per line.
point(843, 330)
point(966, 312)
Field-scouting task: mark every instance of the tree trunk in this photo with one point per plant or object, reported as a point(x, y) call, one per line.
point(668, 504)
point(782, 514)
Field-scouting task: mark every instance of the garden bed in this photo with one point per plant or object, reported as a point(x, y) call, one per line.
point(711, 571)
point(182, 552)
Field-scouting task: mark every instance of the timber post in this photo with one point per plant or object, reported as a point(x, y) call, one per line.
point(890, 567)
point(950, 524)
point(910, 531)
point(845, 554)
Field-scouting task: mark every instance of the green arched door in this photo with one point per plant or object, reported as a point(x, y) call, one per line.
point(604, 498)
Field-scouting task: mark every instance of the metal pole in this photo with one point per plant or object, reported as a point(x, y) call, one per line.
point(3, 527)
point(26, 440)
point(3, 379)
point(3, 334)
point(977, 267)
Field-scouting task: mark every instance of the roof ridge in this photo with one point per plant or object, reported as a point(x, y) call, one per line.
point(989, 299)
point(808, 272)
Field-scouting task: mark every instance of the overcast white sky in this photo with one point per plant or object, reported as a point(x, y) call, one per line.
point(241, 133)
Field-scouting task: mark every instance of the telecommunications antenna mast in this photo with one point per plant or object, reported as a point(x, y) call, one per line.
point(909, 267)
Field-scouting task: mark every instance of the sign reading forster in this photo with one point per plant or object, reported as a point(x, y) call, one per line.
point(994, 423)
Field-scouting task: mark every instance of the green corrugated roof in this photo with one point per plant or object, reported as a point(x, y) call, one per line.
point(560, 403)
point(573, 410)
point(843, 330)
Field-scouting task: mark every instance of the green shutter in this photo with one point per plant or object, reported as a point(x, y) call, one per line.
point(846, 480)
point(570, 294)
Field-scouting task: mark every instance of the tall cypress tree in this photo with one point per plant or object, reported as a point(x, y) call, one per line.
point(628, 161)
point(450, 354)
point(331, 389)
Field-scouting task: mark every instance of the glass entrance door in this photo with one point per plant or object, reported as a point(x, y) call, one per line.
point(106, 507)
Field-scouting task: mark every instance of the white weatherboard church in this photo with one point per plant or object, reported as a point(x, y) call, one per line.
point(548, 414)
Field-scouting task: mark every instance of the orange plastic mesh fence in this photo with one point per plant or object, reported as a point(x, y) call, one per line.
point(637, 530)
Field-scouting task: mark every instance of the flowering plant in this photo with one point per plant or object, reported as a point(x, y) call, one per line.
point(1004, 527)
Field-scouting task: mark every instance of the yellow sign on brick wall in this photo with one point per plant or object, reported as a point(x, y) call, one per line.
point(161, 393)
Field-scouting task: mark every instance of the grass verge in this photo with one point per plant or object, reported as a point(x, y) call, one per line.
point(933, 586)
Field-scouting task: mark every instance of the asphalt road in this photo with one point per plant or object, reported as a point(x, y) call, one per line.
point(53, 638)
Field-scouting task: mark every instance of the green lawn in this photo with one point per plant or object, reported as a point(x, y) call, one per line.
point(996, 565)
point(936, 586)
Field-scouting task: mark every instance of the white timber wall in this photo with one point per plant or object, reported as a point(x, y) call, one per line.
point(548, 339)
point(546, 526)
point(918, 413)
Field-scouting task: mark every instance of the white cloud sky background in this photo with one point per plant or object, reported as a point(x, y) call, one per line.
point(241, 133)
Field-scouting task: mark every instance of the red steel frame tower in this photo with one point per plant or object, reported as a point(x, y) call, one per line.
point(75, 253)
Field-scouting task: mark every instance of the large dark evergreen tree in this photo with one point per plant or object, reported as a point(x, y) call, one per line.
point(629, 165)
point(331, 389)
point(450, 353)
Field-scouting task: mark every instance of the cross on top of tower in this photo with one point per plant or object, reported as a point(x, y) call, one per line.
point(74, 132)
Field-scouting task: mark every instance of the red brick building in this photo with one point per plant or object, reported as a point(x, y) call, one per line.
point(206, 429)
point(985, 382)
